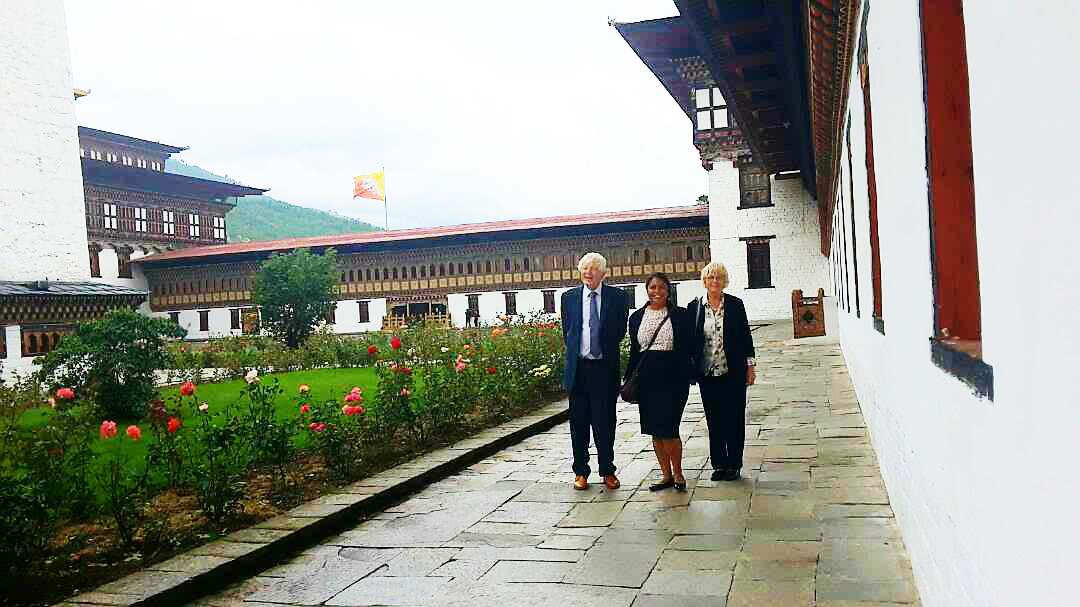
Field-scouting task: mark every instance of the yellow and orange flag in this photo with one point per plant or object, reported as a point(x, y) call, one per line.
point(372, 185)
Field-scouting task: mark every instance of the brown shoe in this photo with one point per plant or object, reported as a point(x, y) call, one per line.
point(612, 482)
point(581, 483)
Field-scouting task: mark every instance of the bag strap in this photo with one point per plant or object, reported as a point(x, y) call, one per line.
point(651, 342)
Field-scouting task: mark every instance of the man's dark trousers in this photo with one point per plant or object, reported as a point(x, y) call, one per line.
point(592, 404)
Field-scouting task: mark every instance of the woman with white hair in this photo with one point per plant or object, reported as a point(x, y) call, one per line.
point(723, 365)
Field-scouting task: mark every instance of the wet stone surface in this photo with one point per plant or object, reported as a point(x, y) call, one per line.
point(809, 522)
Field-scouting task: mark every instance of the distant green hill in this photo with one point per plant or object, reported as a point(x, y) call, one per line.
point(266, 218)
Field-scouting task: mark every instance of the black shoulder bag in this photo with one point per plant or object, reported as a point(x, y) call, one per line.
point(629, 390)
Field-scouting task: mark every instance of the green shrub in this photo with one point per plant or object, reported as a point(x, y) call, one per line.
point(112, 361)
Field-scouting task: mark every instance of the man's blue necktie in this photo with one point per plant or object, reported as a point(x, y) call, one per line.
point(594, 326)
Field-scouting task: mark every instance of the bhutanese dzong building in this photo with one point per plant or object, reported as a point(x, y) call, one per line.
point(491, 269)
point(947, 229)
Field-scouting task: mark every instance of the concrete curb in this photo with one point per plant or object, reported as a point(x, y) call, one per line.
point(244, 553)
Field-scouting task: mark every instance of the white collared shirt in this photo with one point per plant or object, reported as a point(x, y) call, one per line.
point(586, 312)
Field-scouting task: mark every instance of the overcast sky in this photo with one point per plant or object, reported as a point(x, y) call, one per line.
point(479, 110)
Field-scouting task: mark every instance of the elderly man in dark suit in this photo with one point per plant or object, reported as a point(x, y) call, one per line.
point(593, 323)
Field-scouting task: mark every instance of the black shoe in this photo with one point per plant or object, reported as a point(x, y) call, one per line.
point(719, 474)
point(669, 483)
point(732, 474)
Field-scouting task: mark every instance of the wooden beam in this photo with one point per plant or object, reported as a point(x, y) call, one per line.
point(751, 60)
point(753, 86)
point(737, 28)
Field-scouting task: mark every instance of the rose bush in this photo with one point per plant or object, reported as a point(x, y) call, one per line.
point(432, 385)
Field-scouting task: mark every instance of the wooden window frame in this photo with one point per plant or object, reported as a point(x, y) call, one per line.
point(549, 301)
point(956, 345)
point(871, 182)
point(204, 320)
point(757, 242)
point(364, 307)
point(746, 166)
point(510, 301)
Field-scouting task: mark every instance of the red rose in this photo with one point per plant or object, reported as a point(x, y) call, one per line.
point(372, 350)
point(492, 370)
point(134, 432)
point(173, 424)
point(305, 408)
point(187, 388)
point(395, 342)
point(65, 393)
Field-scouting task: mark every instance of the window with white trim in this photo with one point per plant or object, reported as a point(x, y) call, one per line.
point(127, 161)
point(711, 109)
point(140, 220)
point(219, 228)
point(111, 157)
point(140, 162)
point(95, 155)
point(82, 152)
point(155, 165)
point(193, 225)
point(109, 211)
point(168, 223)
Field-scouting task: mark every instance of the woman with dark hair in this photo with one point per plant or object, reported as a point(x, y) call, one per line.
point(660, 340)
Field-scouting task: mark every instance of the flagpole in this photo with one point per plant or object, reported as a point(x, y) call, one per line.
point(386, 213)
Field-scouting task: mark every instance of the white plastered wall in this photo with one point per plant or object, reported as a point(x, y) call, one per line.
point(795, 252)
point(41, 195)
point(983, 490)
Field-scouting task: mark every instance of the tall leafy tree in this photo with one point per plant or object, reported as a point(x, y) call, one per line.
point(295, 292)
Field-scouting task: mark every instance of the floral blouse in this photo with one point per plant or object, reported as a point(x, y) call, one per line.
point(665, 340)
point(713, 351)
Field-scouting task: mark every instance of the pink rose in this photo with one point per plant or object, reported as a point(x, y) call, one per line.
point(353, 396)
point(108, 429)
point(305, 408)
point(65, 393)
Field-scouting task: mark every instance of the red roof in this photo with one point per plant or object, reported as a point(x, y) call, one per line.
point(359, 238)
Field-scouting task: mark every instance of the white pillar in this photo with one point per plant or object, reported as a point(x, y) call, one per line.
point(13, 341)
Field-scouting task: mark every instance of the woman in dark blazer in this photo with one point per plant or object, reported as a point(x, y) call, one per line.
point(723, 364)
point(664, 375)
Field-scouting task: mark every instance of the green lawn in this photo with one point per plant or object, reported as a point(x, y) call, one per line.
point(326, 384)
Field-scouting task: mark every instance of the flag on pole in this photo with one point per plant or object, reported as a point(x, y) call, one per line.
point(372, 185)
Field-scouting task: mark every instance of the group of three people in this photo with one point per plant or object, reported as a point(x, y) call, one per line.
point(708, 342)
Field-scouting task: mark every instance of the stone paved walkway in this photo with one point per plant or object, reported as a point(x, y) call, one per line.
point(809, 524)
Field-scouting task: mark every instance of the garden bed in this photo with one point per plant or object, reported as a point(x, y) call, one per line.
point(136, 496)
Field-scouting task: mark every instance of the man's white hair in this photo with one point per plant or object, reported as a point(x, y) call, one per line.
point(594, 260)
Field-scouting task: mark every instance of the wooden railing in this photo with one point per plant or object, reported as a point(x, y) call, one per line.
point(391, 322)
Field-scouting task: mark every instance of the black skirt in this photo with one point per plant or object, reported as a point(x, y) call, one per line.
point(662, 394)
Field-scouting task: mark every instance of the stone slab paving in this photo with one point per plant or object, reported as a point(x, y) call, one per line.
point(809, 523)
